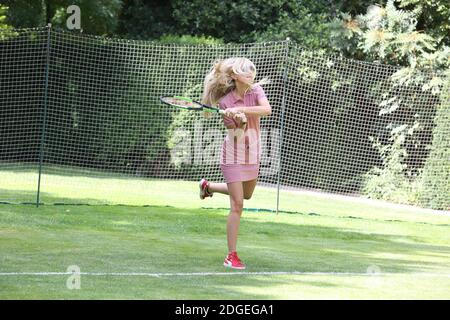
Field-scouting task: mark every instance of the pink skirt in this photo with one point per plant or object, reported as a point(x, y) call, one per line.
point(239, 172)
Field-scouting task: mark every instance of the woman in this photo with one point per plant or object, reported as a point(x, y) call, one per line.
point(230, 85)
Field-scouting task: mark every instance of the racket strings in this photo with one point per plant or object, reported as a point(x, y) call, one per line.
point(182, 103)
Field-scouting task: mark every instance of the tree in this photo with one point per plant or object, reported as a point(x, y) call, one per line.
point(433, 18)
point(422, 26)
point(25, 14)
point(302, 22)
point(97, 17)
point(144, 19)
point(390, 35)
point(233, 21)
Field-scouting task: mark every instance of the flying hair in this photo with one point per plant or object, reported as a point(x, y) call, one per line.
point(219, 81)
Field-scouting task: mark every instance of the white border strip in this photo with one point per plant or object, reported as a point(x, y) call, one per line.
point(205, 274)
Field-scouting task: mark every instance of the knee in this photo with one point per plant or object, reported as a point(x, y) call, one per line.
point(236, 207)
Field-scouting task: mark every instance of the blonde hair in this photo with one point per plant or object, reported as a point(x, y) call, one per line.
point(218, 82)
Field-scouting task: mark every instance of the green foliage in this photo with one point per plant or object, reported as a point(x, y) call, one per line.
point(231, 21)
point(390, 182)
point(345, 84)
point(228, 20)
point(179, 136)
point(147, 132)
point(390, 35)
point(5, 29)
point(435, 192)
point(303, 23)
point(25, 13)
point(189, 40)
point(434, 18)
point(97, 17)
point(3, 11)
point(387, 34)
point(142, 19)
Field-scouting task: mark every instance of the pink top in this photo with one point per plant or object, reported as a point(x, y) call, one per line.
point(242, 147)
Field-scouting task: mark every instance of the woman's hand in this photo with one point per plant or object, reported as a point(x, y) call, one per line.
point(231, 112)
point(240, 117)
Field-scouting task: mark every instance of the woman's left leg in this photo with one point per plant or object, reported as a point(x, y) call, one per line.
point(236, 204)
point(217, 187)
point(249, 187)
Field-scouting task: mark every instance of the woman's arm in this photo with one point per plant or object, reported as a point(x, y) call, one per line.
point(262, 109)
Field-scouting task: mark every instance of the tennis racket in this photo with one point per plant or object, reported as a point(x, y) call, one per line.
point(189, 104)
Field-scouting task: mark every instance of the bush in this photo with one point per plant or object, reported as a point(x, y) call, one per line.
point(390, 182)
point(435, 189)
point(188, 39)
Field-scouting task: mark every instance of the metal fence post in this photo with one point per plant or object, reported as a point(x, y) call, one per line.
point(44, 121)
point(283, 107)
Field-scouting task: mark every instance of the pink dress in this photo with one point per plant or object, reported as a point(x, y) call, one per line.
point(241, 150)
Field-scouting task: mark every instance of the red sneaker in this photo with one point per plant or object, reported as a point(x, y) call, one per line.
point(232, 261)
point(204, 193)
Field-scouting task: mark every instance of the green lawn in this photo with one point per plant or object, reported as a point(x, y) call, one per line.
point(409, 248)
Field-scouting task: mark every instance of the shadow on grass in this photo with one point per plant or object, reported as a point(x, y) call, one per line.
point(10, 196)
point(68, 171)
point(17, 196)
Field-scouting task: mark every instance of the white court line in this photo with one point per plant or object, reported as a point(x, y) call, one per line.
point(204, 274)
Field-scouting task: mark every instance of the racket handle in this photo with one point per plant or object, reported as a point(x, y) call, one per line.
point(220, 111)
